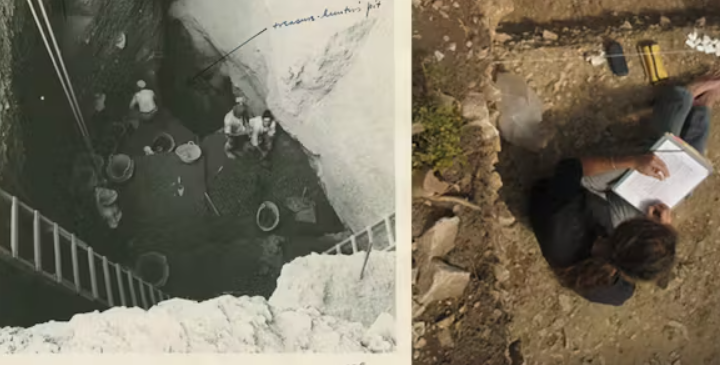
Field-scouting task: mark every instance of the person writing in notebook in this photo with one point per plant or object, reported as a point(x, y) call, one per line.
point(598, 244)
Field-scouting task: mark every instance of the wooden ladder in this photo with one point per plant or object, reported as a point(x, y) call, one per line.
point(63, 259)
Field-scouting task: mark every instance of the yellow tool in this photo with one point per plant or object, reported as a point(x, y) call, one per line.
point(652, 63)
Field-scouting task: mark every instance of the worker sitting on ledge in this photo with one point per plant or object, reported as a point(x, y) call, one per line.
point(144, 100)
point(236, 128)
point(263, 133)
point(598, 244)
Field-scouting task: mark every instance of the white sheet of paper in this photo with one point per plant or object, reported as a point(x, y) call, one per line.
point(685, 175)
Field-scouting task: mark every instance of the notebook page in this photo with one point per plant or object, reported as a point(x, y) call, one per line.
point(685, 175)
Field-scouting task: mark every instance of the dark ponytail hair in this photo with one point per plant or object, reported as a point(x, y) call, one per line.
point(641, 249)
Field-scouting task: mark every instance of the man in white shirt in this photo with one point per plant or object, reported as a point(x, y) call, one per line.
point(263, 130)
point(236, 126)
point(144, 100)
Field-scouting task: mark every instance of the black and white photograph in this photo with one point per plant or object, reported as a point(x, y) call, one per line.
point(197, 176)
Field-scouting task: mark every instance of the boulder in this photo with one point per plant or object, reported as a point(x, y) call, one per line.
point(446, 281)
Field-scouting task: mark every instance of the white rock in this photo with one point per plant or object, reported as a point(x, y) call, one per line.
point(440, 239)
point(447, 282)
point(452, 47)
point(550, 36)
point(596, 58)
point(693, 36)
point(439, 56)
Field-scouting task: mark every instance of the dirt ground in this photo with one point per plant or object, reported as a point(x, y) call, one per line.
point(514, 302)
point(568, 10)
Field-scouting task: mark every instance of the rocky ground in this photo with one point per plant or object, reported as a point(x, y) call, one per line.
point(512, 304)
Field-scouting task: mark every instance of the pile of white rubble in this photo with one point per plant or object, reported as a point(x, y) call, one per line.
point(320, 305)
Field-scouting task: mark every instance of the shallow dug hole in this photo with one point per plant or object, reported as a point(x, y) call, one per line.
point(595, 112)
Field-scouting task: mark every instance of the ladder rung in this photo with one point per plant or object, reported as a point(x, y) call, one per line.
point(108, 288)
point(36, 240)
point(353, 243)
point(152, 293)
point(389, 232)
point(142, 295)
point(58, 260)
point(93, 272)
point(121, 287)
point(75, 267)
point(14, 227)
point(131, 284)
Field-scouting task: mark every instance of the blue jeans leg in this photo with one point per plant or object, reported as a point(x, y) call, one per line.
point(674, 112)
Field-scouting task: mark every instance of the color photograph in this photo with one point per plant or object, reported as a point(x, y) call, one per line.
point(564, 204)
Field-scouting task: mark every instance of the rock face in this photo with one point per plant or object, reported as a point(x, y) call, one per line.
point(447, 282)
point(329, 82)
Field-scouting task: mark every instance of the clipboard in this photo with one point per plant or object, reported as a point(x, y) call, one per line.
point(688, 168)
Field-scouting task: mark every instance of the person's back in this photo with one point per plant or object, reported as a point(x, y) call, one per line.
point(568, 230)
point(235, 125)
point(145, 99)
